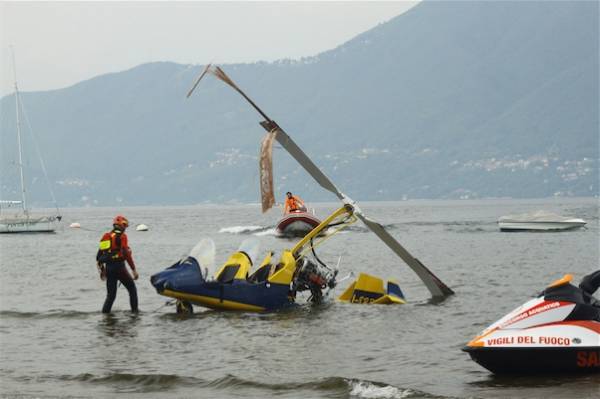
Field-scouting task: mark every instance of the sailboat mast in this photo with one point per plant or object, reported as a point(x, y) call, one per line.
point(23, 197)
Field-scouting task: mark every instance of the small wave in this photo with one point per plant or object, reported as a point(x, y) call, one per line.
point(125, 382)
point(254, 230)
point(333, 386)
point(388, 226)
point(147, 380)
point(373, 390)
point(241, 229)
point(445, 223)
point(267, 232)
point(368, 390)
point(471, 230)
point(50, 314)
point(337, 386)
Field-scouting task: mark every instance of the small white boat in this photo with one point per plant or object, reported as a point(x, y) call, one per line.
point(141, 227)
point(539, 221)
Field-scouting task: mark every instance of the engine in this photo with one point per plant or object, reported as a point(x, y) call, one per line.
point(314, 278)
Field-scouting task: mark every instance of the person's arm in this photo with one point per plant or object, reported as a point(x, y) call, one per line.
point(301, 205)
point(286, 207)
point(126, 252)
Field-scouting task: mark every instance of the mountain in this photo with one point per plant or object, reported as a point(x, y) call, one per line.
point(448, 100)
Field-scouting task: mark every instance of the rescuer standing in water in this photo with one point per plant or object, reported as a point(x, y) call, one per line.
point(113, 253)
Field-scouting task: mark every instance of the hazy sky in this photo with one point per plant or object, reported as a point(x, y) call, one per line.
point(58, 44)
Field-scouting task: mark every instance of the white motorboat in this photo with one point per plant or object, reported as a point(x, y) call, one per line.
point(23, 220)
point(539, 221)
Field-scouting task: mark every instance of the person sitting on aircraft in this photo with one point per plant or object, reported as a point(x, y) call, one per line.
point(293, 203)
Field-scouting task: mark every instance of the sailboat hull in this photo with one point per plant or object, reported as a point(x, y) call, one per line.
point(46, 224)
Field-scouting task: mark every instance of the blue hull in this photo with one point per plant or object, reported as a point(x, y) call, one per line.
point(184, 281)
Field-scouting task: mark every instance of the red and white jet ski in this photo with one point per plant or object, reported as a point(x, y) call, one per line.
point(559, 331)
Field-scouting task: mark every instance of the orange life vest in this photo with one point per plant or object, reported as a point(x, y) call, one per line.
point(110, 248)
point(293, 203)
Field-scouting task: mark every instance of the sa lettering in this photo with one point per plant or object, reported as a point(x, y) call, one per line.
point(588, 359)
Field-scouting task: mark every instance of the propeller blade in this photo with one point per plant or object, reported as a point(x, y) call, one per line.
point(435, 286)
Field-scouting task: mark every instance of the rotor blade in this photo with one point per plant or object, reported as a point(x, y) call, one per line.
point(437, 288)
point(282, 137)
point(220, 74)
point(198, 80)
point(299, 155)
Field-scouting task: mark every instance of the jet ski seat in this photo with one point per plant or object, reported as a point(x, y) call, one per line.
point(588, 308)
point(590, 284)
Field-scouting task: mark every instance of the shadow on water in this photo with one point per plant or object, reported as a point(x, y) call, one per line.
point(119, 325)
point(50, 314)
point(535, 381)
point(299, 311)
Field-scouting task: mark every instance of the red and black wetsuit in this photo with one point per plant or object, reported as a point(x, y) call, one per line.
point(116, 270)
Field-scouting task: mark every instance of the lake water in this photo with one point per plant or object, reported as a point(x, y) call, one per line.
point(54, 342)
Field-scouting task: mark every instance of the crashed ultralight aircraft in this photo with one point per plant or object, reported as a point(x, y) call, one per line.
point(274, 285)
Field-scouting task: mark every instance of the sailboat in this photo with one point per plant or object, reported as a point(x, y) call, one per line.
point(23, 220)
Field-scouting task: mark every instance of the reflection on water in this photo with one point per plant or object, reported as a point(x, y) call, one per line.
point(119, 325)
point(533, 381)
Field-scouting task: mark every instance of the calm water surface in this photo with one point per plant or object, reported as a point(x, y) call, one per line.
point(54, 342)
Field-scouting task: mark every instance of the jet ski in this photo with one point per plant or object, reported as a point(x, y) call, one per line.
point(558, 331)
